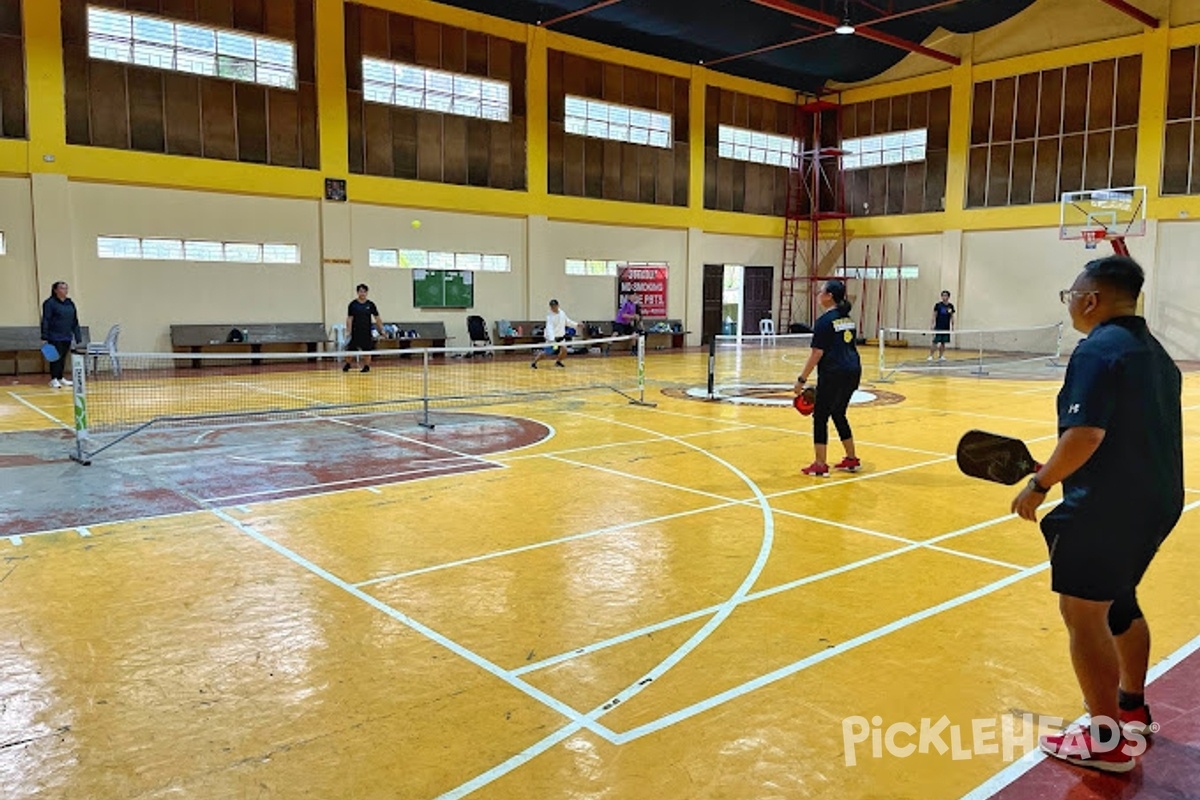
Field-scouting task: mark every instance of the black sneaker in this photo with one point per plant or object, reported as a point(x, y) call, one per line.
point(346, 367)
point(560, 364)
point(366, 368)
point(533, 365)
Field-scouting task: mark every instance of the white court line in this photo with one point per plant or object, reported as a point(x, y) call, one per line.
point(411, 440)
point(373, 489)
point(264, 390)
point(306, 488)
point(644, 479)
point(770, 592)
point(83, 531)
point(1015, 770)
point(578, 720)
point(804, 663)
point(947, 411)
point(31, 406)
point(724, 610)
point(268, 461)
point(15, 540)
point(548, 543)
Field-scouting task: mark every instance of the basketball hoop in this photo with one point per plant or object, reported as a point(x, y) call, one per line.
point(1092, 237)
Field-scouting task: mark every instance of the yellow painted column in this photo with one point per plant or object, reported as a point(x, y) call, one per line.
point(958, 156)
point(1152, 111)
point(697, 91)
point(536, 117)
point(47, 117)
point(332, 109)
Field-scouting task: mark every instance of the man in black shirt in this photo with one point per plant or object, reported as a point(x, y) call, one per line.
point(943, 320)
point(359, 316)
point(1120, 460)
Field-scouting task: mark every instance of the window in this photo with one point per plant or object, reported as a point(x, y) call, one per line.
point(885, 149)
point(434, 90)
point(755, 147)
point(195, 250)
point(600, 120)
point(160, 43)
point(874, 273)
point(580, 266)
point(422, 259)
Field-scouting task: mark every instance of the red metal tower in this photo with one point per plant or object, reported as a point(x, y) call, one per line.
point(816, 206)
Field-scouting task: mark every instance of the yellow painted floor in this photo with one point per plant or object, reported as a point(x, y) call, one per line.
point(650, 603)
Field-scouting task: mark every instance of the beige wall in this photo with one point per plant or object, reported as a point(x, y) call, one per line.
point(1174, 306)
point(586, 297)
point(146, 297)
point(998, 278)
point(908, 306)
point(497, 295)
point(19, 296)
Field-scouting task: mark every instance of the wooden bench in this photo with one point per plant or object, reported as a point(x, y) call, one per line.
point(429, 334)
point(661, 340)
point(21, 349)
point(280, 337)
point(526, 326)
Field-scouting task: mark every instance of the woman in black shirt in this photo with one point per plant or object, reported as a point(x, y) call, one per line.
point(839, 370)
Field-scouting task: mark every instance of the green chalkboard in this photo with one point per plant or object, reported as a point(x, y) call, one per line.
point(437, 288)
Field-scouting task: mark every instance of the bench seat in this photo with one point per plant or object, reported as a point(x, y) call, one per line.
point(278, 337)
point(20, 349)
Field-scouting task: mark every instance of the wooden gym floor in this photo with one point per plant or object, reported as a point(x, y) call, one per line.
point(603, 601)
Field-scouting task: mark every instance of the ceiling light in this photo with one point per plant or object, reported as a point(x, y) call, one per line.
point(845, 29)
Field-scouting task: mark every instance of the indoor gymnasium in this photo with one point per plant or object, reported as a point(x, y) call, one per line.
point(634, 399)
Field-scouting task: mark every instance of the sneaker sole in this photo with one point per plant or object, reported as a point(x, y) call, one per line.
point(848, 469)
point(1091, 763)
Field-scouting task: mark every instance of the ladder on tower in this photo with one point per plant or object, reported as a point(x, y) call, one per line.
point(815, 213)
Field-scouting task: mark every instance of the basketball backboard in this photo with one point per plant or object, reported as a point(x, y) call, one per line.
point(1103, 213)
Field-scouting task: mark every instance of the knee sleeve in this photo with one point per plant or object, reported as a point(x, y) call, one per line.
point(1123, 612)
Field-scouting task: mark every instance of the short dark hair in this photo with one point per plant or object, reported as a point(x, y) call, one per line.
point(363, 287)
point(945, 291)
point(553, 302)
point(1120, 273)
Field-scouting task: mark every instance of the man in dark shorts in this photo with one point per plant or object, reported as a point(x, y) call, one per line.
point(359, 317)
point(943, 320)
point(1120, 459)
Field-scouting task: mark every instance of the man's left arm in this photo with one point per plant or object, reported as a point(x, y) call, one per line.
point(1088, 402)
point(1073, 450)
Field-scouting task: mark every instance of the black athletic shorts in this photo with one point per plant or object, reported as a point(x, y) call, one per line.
point(941, 338)
point(1098, 556)
point(365, 343)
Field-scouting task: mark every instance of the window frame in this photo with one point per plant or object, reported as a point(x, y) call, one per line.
point(443, 260)
point(195, 251)
point(598, 119)
point(155, 42)
point(435, 90)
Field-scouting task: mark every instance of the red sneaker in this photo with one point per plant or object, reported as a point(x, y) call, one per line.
point(816, 470)
point(1077, 747)
point(1137, 721)
point(848, 464)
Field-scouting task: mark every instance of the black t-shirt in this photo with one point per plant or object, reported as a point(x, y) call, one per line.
point(943, 312)
point(360, 315)
point(834, 334)
point(1122, 380)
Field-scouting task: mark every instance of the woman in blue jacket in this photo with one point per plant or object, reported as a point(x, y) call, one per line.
point(60, 326)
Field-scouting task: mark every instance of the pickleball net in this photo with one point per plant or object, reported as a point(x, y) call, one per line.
point(179, 390)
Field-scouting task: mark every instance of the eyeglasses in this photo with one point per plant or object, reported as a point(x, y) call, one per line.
point(1065, 295)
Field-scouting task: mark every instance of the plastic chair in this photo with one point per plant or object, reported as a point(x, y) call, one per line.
point(766, 327)
point(106, 348)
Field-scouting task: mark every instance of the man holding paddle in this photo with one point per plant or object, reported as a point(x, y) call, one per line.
point(1120, 459)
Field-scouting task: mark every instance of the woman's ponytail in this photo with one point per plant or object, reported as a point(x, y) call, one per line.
point(837, 290)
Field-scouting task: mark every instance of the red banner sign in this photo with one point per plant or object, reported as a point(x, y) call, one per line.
point(647, 285)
